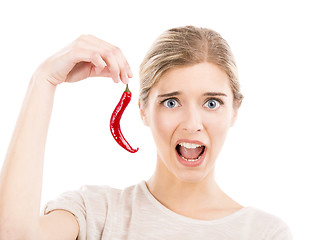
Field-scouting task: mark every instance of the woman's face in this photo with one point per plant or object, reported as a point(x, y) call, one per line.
point(189, 112)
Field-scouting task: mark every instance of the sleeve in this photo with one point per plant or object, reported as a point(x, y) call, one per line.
point(74, 202)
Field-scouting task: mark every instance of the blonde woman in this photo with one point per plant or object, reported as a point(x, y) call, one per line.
point(189, 98)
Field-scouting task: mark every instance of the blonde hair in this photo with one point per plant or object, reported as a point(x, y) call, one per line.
point(185, 46)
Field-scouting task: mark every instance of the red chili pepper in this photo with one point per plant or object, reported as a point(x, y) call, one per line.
point(115, 119)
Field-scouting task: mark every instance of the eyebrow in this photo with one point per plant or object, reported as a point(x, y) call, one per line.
point(169, 94)
point(215, 94)
point(176, 93)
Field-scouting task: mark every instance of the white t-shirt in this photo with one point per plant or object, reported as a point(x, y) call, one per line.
point(133, 213)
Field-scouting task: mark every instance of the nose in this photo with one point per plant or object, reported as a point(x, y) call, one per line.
point(192, 120)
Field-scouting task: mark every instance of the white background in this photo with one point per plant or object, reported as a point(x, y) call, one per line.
point(278, 157)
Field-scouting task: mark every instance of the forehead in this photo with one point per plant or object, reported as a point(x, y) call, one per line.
point(198, 78)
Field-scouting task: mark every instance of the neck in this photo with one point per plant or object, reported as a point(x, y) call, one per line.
point(185, 197)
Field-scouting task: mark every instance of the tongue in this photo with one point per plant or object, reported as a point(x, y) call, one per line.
point(190, 153)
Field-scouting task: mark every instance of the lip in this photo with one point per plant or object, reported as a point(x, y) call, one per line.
point(190, 141)
point(188, 163)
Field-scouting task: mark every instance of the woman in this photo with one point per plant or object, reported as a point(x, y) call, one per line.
point(189, 98)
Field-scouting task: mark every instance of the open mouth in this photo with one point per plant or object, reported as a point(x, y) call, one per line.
point(189, 151)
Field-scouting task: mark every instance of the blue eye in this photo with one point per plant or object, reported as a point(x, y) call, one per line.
point(170, 103)
point(213, 103)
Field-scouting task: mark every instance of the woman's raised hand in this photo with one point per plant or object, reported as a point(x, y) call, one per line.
point(87, 56)
point(22, 173)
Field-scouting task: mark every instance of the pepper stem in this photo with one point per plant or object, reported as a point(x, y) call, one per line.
point(127, 88)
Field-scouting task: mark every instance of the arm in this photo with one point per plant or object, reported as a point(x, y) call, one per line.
point(22, 171)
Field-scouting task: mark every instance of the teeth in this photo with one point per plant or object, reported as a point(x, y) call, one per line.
point(189, 145)
point(192, 160)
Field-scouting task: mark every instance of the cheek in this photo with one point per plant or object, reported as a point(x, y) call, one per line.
point(217, 128)
point(163, 127)
point(217, 124)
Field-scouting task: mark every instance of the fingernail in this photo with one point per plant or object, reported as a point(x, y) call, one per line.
point(116, 79)
point(130, 73)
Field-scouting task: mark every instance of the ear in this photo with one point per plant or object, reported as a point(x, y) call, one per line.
point(143, 114)
point(235, 113)
point(234, 118)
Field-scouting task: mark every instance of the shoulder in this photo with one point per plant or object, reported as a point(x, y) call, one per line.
point(89, 200)
point(262, 215)
point(272, 226)
point(97, 190)
point(85, 196)
point(107, 193)
point(92, 204)
point(102, 194)
point(104, 191)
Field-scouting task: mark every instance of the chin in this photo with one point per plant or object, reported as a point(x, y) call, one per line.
point(191, 174)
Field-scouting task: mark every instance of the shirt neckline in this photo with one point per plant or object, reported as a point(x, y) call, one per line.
point(170, 213)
